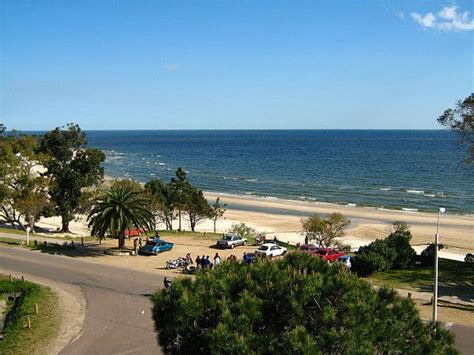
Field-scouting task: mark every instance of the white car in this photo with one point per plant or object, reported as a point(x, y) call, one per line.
point(270, 250)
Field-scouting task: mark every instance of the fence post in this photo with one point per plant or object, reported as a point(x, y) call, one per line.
point(36, 308)
point(29, 323)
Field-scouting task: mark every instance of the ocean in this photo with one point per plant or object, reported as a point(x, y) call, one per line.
point(411, 170)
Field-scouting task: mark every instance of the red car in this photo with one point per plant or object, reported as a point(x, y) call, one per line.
point(328, 254)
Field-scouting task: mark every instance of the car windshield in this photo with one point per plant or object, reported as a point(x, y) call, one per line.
point(263, 247)
point(321, 252)
point(306, 248)
point(227, 237)
point(152, 243)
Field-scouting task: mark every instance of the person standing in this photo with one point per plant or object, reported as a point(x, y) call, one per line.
point(135, 246)
point(306, 240)
point(198, 262)
point(217, 260)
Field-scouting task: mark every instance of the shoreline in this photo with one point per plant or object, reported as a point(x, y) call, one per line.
point(310, 203)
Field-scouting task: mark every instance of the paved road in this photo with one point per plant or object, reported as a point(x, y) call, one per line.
point(115, 298)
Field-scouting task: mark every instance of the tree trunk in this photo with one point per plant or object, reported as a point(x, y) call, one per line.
point(179, 219)
point(215, 220)
point(65, 222)
point(121, 241)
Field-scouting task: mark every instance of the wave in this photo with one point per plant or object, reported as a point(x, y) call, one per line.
point(385, 188)
point(251, 180)
point(410, 209)
point(418, 192)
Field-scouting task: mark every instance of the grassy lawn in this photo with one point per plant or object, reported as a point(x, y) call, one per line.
point(15, 231)
point(206, 235)
point(10, 241)
point(453, 274)
point(44, 326)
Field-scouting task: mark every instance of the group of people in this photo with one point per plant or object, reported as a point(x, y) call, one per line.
point(205, 262)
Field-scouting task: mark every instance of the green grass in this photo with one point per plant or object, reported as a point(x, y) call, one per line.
point(451, 274)
point(207, 235)
point(44, 325)
point(10, 241)
point(15, 231)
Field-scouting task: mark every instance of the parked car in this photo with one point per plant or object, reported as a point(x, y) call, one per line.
point(346, 260)
point(155, 246)
point(308, 248)
point(328, 254)
point(270, 249)
point(231, 241)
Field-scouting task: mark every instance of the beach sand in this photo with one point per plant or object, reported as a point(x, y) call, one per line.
point(282, 218)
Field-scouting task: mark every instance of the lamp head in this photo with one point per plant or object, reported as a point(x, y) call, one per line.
point(442, 210)
point(28, 229)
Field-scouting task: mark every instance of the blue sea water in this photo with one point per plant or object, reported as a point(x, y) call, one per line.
point(393, 169)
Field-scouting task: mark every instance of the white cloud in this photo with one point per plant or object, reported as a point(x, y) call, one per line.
point(427, 20)
point(447, 19)
point(171, 66)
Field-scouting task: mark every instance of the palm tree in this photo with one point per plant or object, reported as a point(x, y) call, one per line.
point(118, 210)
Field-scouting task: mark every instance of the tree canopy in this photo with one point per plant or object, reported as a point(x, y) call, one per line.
point(72, 166)
point(294, 305)
point(121, 208)
point(461, 121)
point(325, 231)
point(23, 189)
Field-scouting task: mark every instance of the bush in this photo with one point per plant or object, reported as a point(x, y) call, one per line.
point(393, 252)
point(428, 254)
point(369, 263)
point(243, 230)
point(469, 258)
point(294, 305)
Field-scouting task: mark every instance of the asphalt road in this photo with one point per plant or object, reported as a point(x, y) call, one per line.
point(115, 298)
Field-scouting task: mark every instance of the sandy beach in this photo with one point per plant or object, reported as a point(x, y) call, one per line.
point(283, 219)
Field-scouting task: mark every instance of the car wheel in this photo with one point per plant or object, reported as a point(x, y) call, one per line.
point(232, 246)
point(245, 243)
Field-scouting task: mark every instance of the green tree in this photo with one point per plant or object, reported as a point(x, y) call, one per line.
point(180, 187)
point(461, 121)
point(161, 202)
point(120, 209)
point(393, 252)
point(23, 190)
point(294, 305)
point(72, 166)
point(196, 206)
point(217, 211)
point(325, 231)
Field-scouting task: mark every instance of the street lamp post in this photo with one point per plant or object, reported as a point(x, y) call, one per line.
point(28, 229)
point(435, 291)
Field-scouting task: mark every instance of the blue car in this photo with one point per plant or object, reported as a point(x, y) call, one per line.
point(155, 246)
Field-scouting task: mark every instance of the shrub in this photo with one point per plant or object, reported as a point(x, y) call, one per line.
point(394, 252)
point(243, 230)
point(469, 258)
point(294, 305)
point(428, 254)
point(369, 263)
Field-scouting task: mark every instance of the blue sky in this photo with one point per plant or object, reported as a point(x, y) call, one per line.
point(233, 64)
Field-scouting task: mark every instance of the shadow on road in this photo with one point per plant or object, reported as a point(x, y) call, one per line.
point(75, 251)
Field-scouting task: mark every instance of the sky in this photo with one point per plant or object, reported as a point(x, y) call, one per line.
point(221, 64)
